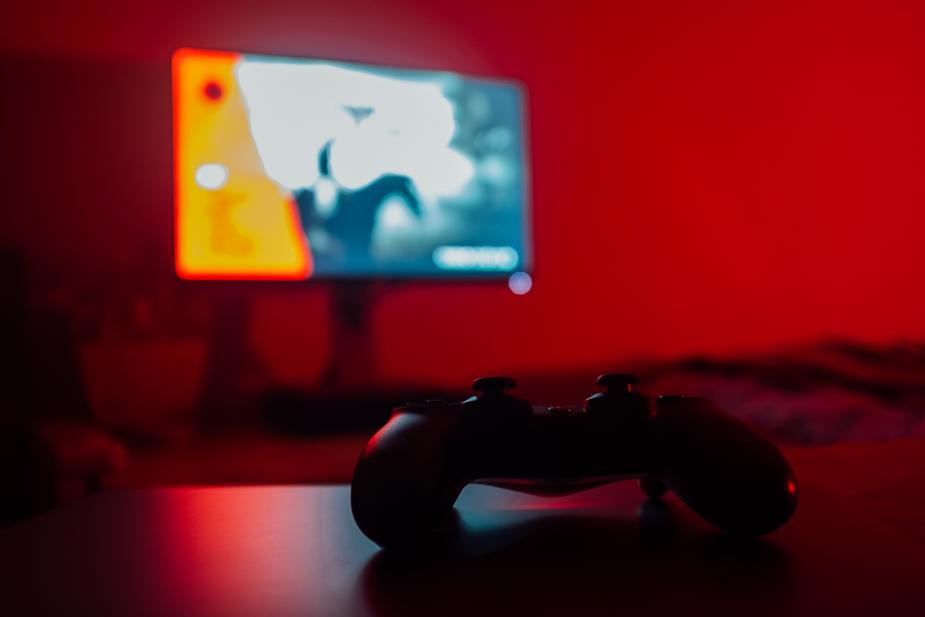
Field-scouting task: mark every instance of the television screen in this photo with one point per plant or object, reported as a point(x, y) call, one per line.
point(296, 169)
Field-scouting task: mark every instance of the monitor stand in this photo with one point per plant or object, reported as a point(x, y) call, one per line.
point(234, 372)
point(349, 394)
point(351, 365)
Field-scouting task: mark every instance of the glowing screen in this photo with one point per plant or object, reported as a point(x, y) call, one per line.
point(291, 169)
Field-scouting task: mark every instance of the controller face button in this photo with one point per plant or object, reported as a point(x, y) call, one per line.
point(619, 382)
point(493, 385)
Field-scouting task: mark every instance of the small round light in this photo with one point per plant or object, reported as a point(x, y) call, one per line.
point(211, 176)
point(212, 91)
point(520, 283)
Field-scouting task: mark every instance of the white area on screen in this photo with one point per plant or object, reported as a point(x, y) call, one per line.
point(487, 258)
point(376, 125)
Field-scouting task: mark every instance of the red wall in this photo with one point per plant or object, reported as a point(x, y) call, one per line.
point(708, 176)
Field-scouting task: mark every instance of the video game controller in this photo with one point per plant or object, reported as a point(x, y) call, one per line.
point(411, 471)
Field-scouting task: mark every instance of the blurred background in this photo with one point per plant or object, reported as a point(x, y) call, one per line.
point(727, 198)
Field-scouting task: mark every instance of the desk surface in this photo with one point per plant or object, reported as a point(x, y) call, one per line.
point(855, 546)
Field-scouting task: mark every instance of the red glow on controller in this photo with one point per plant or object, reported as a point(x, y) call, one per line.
point(371, 445)
point(212, 91)
point(791, 487)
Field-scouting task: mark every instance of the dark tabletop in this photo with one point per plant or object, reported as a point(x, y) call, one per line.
point(855, 546)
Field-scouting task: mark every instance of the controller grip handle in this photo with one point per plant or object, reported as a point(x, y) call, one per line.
point(403, 487)
point(724, 470)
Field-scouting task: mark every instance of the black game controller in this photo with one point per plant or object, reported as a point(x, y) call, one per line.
point(413, 469)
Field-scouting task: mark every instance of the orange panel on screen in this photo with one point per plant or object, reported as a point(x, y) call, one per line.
point(232, 220)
